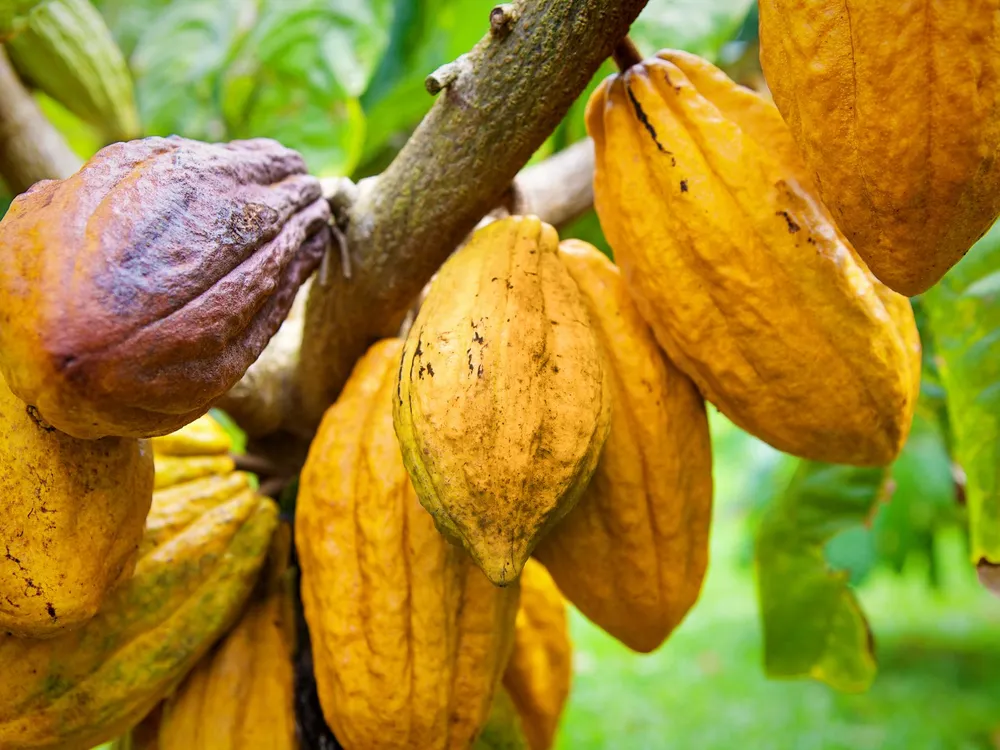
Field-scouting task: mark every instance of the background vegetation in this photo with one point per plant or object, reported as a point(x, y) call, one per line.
point(342, 81)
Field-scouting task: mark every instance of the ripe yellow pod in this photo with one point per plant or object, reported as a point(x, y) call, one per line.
point(409, 638)
point(93, 684)
point(632, 554)
point(241, 696)
point(902, 127)
point(501, 406)
point(739, 269)
point(72, 518)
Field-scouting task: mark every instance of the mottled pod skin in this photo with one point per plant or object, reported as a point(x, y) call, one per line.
point(409, 637)
point(632, 555)
point(502, 401)
point(241, 695)
point(739, 269)
point(93, 684)
point(72, 517)
point(540, 670)
point(901, 128)
point(140, 289)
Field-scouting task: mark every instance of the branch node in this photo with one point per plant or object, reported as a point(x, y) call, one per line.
point(341, 193)
point(502, 18)
point(443, 77)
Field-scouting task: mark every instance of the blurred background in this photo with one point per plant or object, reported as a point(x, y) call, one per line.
point(342, 82)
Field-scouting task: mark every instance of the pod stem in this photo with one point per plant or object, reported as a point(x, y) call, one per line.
point(626, 54)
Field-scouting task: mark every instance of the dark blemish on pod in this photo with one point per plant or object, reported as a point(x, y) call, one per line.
point(51, 610)
point(477, 338)
point(430, 370)
point(792, 226)
point(641, 116)
point(684, 186)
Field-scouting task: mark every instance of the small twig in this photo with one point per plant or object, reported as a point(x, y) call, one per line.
point(443, 77)
point(626, 54)
point(274, 486)
point(502, 18)
point(254, 464)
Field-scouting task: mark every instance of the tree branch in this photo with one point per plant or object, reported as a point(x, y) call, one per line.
point(31, 149)
point(509, 93)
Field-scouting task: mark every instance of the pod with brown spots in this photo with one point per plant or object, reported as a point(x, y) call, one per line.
point(502, 404)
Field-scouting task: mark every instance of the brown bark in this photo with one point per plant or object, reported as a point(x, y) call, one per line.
point(31, 149)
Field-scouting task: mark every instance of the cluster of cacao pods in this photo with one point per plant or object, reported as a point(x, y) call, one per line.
point(539, 434)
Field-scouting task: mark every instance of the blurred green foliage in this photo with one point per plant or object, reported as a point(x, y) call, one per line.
point(964, 311)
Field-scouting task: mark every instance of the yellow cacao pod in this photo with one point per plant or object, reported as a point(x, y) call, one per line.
point(202, 437)
point(632, 554)
point(73, 513)
point(241, 696)
point(93, 684)
point(409, 638)
point(197, 450)
point(538, 675)
point(739, 270)
point(501, 405)
point(901, 128)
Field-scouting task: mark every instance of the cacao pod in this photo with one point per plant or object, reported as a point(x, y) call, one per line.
point(139, 290)
point(65, 49)
point(409, 638)
point(241, 695)
point(502, 401)
point(538, 675)
point(632, 554)
point(73, 513)
point(739, 269)
point(203, 437)
point(901, 128)
point(503, 729)
point(93, 684)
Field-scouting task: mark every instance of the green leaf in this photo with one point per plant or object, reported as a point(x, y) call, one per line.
point(698, 26)
point(813, 625)
point(964, 311)
point(290, 70)
point(425, 34)
point(923, 501)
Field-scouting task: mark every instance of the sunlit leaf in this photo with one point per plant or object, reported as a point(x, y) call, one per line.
point(813, 625)
point(965, 319)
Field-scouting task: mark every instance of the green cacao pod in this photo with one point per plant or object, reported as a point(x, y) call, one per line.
point(65, 49)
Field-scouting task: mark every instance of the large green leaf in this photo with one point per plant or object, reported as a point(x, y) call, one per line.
point(285, 69)
point(813, 625)
point(425, 34)
point(965, 319)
